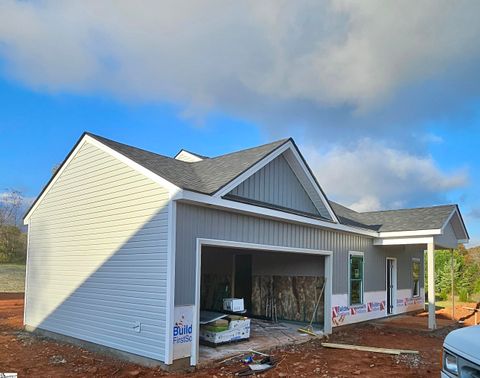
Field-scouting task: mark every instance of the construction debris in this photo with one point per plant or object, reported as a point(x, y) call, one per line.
point(243, 353)
point(369, 349)
point(475, 310)
point(265, 364)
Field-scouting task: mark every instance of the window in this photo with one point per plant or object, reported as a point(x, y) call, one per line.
point(416, 277)
point(356, 278)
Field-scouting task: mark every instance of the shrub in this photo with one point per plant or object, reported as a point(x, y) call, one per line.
point(464, 295)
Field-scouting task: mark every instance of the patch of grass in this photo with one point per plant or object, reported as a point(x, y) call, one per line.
point(448, 304)
point(444, 304)
point(12, 278)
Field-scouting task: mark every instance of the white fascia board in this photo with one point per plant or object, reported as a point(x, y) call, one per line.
point(262, 247)
point(400, 234)
point(173, 189)
point(455, 211)
point(252, 170)
point(255, 168)
point(404, 241)
point(313, 182)
point(448, 219)
point(217, 202)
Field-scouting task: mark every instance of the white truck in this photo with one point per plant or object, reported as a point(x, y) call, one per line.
point(461, 353)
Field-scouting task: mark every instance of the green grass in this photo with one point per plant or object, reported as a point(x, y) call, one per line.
point(448, 303)
point(12, 278)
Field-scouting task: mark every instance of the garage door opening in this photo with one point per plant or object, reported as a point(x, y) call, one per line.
point(279, 289)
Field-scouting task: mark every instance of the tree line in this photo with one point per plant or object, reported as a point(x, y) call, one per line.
point(13, 239)
point(466, 273)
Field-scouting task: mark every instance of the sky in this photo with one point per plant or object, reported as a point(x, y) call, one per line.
point(383, 98)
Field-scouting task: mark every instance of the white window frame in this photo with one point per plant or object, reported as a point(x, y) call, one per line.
point(416, 259)
point(362, 254)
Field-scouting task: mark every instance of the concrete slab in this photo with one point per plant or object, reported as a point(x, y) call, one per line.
point(264, 335)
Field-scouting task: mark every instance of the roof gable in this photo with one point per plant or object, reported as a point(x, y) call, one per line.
point(219, 175)
point(276, 185)
point(188, 156)
point(86, 138)
point(301, 172)
point(206, 176)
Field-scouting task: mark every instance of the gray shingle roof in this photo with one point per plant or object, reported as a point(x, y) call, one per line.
point(210, 175)
point(206, 176)
point(421, 218)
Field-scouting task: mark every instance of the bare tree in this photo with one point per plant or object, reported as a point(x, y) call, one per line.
point(12, 240)
point(10, 204)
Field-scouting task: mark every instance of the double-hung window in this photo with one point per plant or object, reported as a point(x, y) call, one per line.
point(415, 277)
point(355, 277)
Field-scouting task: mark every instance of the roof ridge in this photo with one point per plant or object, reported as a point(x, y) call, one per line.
point(198, 165)
point(282, 141)
point(345, 207)
point(405, 208)
point(99, 138)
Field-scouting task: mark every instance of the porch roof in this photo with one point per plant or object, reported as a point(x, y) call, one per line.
point(421, 218)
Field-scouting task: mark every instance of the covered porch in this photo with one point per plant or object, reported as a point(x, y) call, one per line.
point(448, 237)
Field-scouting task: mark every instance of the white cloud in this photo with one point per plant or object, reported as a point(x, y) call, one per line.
point(366, 203)
point(301, 60)
point(370, 176)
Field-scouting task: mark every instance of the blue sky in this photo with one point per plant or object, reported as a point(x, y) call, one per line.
point(382, 124)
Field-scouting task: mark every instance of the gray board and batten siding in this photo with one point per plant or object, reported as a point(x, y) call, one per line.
point(201, 222)
point(277, 185)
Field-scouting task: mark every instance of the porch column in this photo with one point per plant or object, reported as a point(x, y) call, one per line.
point(431, 285)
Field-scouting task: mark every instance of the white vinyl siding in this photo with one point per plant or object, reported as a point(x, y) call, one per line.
point(97, 258)
point(188, 157)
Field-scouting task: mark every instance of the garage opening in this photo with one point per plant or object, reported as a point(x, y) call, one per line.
point(280, 292)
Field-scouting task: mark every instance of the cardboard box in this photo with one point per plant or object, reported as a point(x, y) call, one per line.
point(238, 329)
point(233, 304)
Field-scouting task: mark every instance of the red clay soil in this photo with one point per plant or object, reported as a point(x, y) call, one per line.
point(467, 316)
point(34, 356)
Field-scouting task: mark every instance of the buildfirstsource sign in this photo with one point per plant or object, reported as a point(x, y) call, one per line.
point(182, 331)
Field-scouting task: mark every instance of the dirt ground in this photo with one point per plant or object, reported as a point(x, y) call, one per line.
point(467, 316)
point(33, 356)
